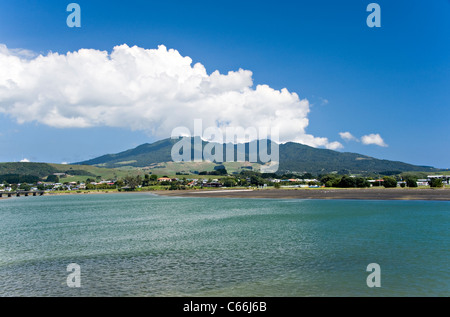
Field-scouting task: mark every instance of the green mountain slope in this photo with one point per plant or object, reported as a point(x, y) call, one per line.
point(303, 158)
point(73, 172)
point(294, 157)
point(143, 155)
point(34, 169)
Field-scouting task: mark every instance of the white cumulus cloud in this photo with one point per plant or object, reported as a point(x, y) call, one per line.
point(25, 160)
point(373, 139)
point(347, 136)
point(334, 145)
point(154, 90)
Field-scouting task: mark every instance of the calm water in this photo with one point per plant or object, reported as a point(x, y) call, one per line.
point(144, 245)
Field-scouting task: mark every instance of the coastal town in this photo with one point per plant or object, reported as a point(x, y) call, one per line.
point(242, 180)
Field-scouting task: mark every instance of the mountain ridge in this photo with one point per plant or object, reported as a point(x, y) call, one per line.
point(293, 157)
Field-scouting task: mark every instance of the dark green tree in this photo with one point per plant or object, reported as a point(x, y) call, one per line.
point(347, 182)
point(436, 182)
point(411, 181)
point(146, 180)
point(52, 179)
point(133, 181)
point(256, 180)
point(389, 182)
point(330, 180)
point(229, 181)
point(307, 176)
point(361, 182)
point(25, 187)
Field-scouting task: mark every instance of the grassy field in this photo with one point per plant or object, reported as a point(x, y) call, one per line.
point(169, 169)
point(94, 172)
point(423, 174)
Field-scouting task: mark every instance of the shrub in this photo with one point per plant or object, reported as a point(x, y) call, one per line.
point(347, 182)
point(436, 182)
point(389, 182)
point(362, 182)
point(411, 182)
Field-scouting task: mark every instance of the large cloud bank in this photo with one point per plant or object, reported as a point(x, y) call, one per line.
point(154, 90)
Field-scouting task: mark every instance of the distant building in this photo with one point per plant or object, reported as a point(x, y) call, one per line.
point(422, 182)
point(164, 179)
point(445, 178)
point(212, 184)
point(378, 182)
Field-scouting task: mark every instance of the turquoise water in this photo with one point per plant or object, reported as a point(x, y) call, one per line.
point(145, 245)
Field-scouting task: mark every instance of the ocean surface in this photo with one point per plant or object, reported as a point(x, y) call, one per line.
point(146, 245)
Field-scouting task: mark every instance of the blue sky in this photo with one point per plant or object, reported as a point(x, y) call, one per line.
point(393, 81)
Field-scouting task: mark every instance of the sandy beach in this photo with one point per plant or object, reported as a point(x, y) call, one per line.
point(442, 194)
point(323, 193)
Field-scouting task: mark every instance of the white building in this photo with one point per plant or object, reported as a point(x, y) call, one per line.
point(445, 178)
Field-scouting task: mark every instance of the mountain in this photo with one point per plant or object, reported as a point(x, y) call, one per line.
point(294, 157)
point(73, 172)
point(141, 156)
point(299, 157)
point(28, 168)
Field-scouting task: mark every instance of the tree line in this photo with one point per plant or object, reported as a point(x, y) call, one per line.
point(242, 179)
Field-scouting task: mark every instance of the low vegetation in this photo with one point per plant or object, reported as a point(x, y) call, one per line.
point(57, 177)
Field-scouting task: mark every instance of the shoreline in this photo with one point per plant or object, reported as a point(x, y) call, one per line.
point(430, 194)
point(322, 193)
